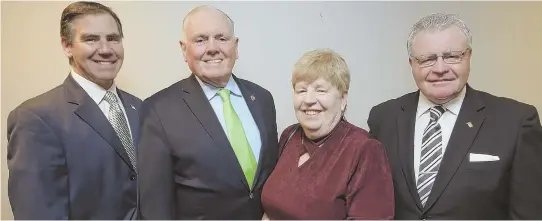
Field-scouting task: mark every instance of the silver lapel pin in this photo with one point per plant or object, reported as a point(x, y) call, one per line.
point(252, 97)
point(132, 106)
point(469, 124)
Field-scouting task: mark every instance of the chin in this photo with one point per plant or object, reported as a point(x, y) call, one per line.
point(106, 75)
point(214, 74)
point(443, 94)
point(311, 126)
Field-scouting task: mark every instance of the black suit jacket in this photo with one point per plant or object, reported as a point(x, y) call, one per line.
point(65, 160)
point(187, 167)
point(510, 188)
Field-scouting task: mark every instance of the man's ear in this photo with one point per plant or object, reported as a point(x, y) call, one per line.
point(183, 49)
point(67, 48)
point(236, 48)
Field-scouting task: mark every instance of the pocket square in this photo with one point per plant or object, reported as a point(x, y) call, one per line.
point(477, 157)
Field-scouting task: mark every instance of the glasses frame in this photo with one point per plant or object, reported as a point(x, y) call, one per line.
point(419, 59)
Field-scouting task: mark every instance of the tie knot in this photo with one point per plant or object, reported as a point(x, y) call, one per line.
point(110, 97)
point(224, 94)
point(436, 112)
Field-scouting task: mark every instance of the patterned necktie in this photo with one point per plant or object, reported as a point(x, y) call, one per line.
point(118, 121)
point(431, 154)
point(238, 139)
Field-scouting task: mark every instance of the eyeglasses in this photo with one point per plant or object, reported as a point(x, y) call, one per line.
point(450, 57)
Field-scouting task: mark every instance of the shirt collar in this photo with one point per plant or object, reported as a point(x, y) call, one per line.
point(453, 106)
point(211, 91)
point(95, 92)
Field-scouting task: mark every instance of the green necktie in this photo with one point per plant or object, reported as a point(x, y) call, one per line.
point(238, 139)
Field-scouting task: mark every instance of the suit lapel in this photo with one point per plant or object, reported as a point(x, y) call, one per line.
point(255, 108)
point(197, 102)
point(132, 113)
point(90, 113)
point(405, 132)
point(461, 140)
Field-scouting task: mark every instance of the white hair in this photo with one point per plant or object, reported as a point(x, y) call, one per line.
point(199, 8)
point(438, 22)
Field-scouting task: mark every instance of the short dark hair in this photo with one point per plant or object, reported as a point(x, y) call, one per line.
point(81, 8)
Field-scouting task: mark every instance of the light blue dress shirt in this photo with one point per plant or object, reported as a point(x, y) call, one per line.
point(241, 108)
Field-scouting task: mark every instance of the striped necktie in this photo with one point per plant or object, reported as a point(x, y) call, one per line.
point(431, 154)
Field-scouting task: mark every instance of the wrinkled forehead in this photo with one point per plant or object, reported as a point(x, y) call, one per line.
point(438, 41)
point(208, 23)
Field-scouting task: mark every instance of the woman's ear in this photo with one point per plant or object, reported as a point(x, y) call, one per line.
point(344, 102)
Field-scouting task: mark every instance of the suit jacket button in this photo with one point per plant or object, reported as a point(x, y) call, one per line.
point(132, 177)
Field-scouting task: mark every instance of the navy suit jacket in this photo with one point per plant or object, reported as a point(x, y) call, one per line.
point(188, 168)
point(65, 160)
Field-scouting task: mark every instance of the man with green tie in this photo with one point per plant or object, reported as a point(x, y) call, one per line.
point(208, 142)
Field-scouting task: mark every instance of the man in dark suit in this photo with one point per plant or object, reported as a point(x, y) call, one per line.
point(70, 150)
point(455, 152)
point(208, 142)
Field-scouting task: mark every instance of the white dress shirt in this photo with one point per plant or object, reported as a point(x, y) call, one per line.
point(241, 108)
point(97, 94)
point(446, 121)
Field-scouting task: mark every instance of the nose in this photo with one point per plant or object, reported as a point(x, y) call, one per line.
point(310, 97)
point(440, 66)
point(212, 47)
point(104, 48)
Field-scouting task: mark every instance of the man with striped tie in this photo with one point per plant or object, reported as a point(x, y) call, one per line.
point(455, 152)
point(71, 151)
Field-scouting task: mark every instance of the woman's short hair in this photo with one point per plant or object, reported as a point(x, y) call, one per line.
point(322, 63)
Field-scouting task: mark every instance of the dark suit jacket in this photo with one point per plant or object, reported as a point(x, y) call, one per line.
point(187, 167)
point(65, 160)
point(510, 188)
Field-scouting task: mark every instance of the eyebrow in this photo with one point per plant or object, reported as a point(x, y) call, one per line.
point(114, 35)
point(206, 36)
point(433, 55)
point(88, 35)
point(200, 36)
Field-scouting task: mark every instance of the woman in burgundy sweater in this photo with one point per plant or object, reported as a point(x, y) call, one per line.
point(328, 168)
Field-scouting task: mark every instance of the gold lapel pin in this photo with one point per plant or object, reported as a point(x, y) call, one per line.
point(252, 97)
point(469, 124)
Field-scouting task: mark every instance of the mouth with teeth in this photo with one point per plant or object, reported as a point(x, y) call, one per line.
point(213, 61)
point(105, 62)
point(311, 112)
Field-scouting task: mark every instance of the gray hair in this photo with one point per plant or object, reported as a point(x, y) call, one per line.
point(202, 7)
point(438, 22)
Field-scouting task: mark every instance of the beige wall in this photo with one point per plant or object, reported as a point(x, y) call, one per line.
point(370, 35)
